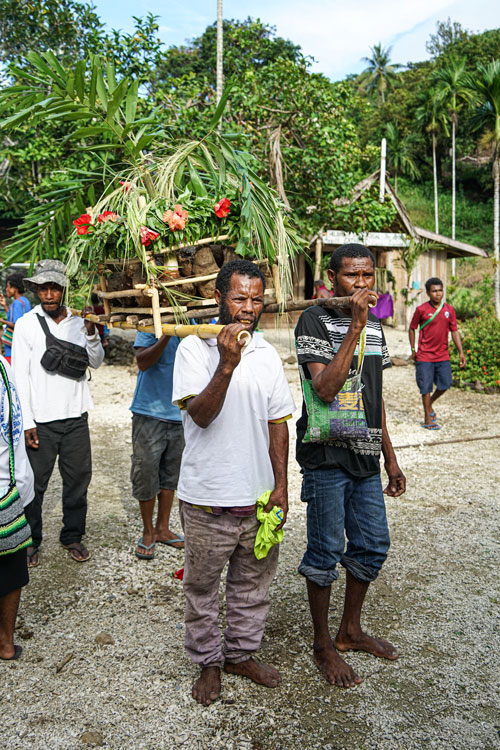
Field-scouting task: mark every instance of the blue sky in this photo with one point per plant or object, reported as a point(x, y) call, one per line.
point(337, 33)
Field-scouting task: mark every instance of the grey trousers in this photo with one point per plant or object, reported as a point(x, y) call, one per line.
point(210, 542)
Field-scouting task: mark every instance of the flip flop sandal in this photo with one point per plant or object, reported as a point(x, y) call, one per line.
point(140, 555)
point(31, 555)
point(433, 416)
point(17, 653)
point(77, 547)
point(433, 426)
point(172, 542)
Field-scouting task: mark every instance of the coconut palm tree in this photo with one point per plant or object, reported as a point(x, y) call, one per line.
point(451, 86)
point(380, 75)
point(399, 154)
point(431, 117)
point(485, 89)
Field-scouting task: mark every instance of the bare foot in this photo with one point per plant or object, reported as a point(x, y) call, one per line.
point(10, 652)
point(206, 689)
point(262, 674)
point(165, 536)
point(364, 642)
point(334, 668)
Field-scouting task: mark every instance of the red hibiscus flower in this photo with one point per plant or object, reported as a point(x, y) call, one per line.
point(83, 223)
point(126, 186)
point(107, 216)
point(222, 208)
point(175, 219)
point(148, 236)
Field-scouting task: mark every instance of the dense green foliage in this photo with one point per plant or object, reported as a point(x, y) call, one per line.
point(403, 107)
point(481, 343)
point(470, 302)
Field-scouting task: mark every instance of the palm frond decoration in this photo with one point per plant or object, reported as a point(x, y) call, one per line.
point(154, 193)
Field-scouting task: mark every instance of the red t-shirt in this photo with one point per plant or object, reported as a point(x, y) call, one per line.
point(433, 339)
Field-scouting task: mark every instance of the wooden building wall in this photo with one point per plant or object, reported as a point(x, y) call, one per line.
point(432, 263)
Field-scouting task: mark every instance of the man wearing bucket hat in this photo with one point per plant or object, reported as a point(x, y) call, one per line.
point(52, 349)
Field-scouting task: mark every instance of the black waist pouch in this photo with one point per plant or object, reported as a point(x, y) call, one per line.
point(63, 357)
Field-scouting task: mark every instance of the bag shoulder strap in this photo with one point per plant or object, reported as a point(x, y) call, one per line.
point(361, 349)
point(432, 316)
point(44, 325)
point(5, 379)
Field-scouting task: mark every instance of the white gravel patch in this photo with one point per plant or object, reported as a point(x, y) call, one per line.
point(437, 598)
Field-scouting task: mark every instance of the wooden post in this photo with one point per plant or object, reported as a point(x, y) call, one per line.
point(317, 258)
point(383, 152)
point(277, 283)
point(102, 284)
point(219, 67)
point(155, 306)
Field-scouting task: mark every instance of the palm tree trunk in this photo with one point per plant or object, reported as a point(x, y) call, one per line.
point(453, 190)
point(496, 232)
point(434, 170)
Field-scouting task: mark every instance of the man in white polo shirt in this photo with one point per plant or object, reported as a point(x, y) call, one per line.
point(55, 403)
point(235, 404)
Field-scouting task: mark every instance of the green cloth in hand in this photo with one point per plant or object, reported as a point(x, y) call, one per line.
point(267, 534)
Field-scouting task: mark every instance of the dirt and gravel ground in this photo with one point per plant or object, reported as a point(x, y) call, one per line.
point(437, 598)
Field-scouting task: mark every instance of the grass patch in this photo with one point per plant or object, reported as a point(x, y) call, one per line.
point(474, 222)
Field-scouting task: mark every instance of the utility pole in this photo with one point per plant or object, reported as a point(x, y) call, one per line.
point(220, 78)
point(383, 152)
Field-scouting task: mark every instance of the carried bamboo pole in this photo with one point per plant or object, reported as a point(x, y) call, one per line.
point(290, 306)
point(201, 330)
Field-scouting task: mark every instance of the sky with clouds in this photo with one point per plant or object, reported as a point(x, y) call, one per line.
point(337, 33)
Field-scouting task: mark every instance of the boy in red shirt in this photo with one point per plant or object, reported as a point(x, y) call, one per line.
point(434, 320)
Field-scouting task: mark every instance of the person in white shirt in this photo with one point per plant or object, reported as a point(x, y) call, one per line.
point(235, 403)
point(55, 406)
point(15, 536)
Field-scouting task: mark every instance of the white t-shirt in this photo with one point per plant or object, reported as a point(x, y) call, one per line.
point(227, 464)
point(22, 467)
point(46, 396)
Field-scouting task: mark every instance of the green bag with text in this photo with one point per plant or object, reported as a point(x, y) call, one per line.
point(342, 419)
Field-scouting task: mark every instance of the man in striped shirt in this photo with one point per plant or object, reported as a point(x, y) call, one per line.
point(341, 477)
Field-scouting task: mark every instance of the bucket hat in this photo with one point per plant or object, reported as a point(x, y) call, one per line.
point(47, 271)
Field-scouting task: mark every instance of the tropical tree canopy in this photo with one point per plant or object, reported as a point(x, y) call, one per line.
point(380, 75)
point(400, 153)
point(312, 139)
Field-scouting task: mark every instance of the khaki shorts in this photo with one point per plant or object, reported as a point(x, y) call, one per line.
point(156, 459)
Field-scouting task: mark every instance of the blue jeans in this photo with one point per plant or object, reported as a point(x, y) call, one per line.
point(338, 502)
